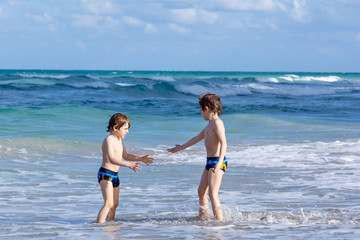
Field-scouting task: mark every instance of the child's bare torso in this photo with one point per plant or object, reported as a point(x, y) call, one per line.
point(212, 143)
point(111, 144)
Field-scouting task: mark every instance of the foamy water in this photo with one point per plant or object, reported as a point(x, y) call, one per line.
point(269, 191)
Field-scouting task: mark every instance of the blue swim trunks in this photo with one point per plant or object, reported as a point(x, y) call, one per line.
point(105, 174)
point(212, 161)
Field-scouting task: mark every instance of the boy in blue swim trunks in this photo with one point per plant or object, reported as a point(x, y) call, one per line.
point(216, 164)
point(113, 152)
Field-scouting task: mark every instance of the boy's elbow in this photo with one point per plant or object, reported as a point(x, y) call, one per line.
point(223, 142)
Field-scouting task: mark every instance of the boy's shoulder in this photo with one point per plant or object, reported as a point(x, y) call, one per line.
point(218, 123)
point(110, 139)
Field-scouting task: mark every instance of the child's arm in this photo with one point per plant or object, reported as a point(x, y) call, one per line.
point(220, 134)
point(189, 143)
point(110, 151)
point(130, 157)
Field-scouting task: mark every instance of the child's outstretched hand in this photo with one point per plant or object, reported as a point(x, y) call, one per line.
point(147, 160)
point(135, 166)
point(175, 149)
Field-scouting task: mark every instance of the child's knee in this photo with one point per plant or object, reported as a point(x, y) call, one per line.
point(115, 204)
point(109, 204)
point(213, 196)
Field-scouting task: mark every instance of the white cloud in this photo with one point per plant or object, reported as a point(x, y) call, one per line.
point(111, 22)
point(40, 18)
point(134, 22)
point(149, 28)
point(185, 15)
point(177, 28)
point(15, 2)
point(131, 21)
point(295, 8)
point(193, 15)
point(299, 12)
point(95, 21)
point(271, 24)
point(262, 5)
point(208, 17)
point(98, 7)
point(89, 21)
point(251, 24)
point(3, 14)
point(44, 19)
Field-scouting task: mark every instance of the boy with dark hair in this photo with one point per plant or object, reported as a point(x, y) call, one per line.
point(113, 152)
point(216, 164)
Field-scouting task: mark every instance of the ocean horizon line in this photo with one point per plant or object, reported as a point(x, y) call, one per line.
point(197, 71)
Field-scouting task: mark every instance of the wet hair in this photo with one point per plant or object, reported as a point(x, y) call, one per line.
point(118, 119)
point(212, 101)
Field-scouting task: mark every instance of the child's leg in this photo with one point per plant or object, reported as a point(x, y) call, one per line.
point(107, 192)
point(214, 180)
point(202, 190)
point(111, 214)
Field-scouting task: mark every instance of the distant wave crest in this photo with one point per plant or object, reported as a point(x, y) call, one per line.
point(156, 85)
point(293, 77)
point(39, 75)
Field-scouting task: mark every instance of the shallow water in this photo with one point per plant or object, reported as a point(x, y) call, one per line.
point(293, 163)
point(305, 190)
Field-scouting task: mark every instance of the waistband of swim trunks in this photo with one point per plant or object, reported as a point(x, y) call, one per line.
point(108, 172)
point(212, 160)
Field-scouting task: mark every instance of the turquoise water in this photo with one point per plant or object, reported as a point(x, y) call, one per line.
point(293, 150)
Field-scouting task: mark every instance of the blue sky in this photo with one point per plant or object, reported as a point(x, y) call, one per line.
point(212, 35)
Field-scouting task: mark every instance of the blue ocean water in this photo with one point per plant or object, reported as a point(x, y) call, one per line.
point(294, 153)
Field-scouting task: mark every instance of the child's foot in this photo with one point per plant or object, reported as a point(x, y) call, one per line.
point(203, 217)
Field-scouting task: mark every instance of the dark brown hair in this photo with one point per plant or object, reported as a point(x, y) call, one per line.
point(212, 101)
point(118, 119)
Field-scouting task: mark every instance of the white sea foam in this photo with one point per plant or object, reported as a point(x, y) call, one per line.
point(279, 189)
point(37, 75)
point(192, 89)
point(290, 155)
point(260, 87)
point(295, 90)
point(289, 77)
point(304, 91)
point(221, 90)
point(92, 77)
point(296, 155)
point(231, 90)
point(271, 79)
point(125, 84)
point(224, 90)
point(293, 77)
point(90, 84)
point(163, 78)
